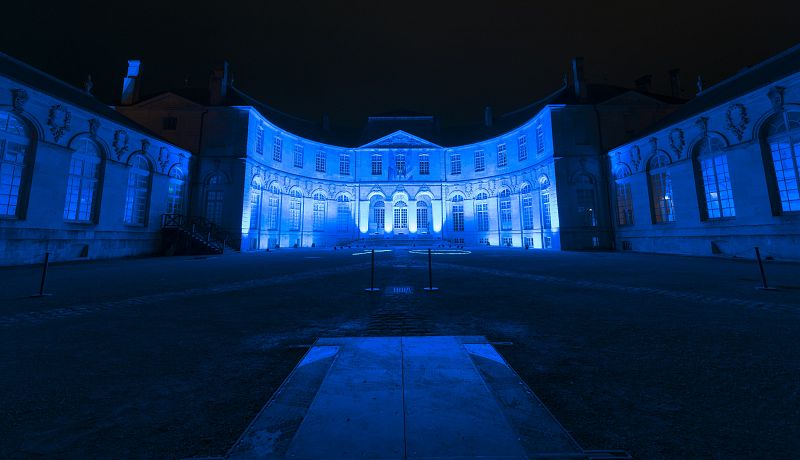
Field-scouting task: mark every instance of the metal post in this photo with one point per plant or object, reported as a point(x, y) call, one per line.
point(430, 274)
point(764, 286)
point(372, 287)
point(44, 276)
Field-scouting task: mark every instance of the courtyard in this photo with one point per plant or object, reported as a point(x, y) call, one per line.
point(665, 357)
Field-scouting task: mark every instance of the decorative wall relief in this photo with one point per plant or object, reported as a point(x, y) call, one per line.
point(635, 157)
point(94, 125)
point(59, 121)
point(736, 119)
point(145, 145)
point(702, 125)
point(163, 159)
point(775, 96)
point(677, 141)
point(18, 99)
point(120, 144)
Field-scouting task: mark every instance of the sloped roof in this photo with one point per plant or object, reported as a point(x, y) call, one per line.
point(47, 84)
point(748, 80)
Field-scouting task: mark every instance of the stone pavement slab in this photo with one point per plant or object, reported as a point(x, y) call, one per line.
point(404, 398)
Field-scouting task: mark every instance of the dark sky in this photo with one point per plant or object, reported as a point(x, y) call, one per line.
point(354, 58)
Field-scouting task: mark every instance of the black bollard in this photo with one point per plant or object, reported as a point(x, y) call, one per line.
point(430, 274)
point(372, 287)
point(44, 276)
point(764, 286)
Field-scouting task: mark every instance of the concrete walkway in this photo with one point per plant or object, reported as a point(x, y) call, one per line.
point(404, 398)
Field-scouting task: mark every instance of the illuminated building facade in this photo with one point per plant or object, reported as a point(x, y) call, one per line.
point(77, 179)
point(533, 177)
point(719, 175)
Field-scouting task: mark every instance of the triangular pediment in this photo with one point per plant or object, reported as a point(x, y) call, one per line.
point(168, 100)
point(400, 140)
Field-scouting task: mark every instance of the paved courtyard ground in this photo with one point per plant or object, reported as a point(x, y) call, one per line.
point(666, 357)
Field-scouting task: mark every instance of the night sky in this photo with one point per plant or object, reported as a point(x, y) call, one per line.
point(351, 59)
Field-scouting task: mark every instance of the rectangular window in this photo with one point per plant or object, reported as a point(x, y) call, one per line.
point(502, 156)
point(12, 162)
point(455, 163)
point(661, 190)
point(344, 164)
point(539, 139)
point(458, 217)
point(528, 242)
point(422, 220)
point(480, 161)
point(260, 140)
point(321, 161)
point(548, 242)
point(527, 213)
point(507, 241)
point(255, 208)
point(624, 204)
point(318, 222)
point(482, 216)
point(169, 123)
point(505, 214)
point(400, 163)
point(546, 223)
point(380, 218)
point(272, 222)
point(717, 186)
point(298, 156)
point(424, 164)
point(522, 143)
point(343, 217)
point(483, 241)
point(294, 214)
point(277, 149)
point(377, 165)
point(785, 161)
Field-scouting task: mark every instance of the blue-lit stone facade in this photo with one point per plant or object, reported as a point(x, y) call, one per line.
point(77, 180)
point(720, 181)
point(304, 193)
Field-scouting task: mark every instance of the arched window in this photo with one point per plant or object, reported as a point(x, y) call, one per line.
point(256, 192)
point(344, 219)
point(138, 191)
point(482, 212)
point(14, 144)
point(711, 169)
point(624, 197)
point(318, 223)
point(782, 139)
point(660, 184)
point(504, 201)
point(295, 209)
point(527, 207)
point(400, 216)
point(423, 222)
point(84, 172)
point(458, 213)
point(544, 205)
point(379, 215)
point(176, 191)
point(273, 207)
point(215, 198)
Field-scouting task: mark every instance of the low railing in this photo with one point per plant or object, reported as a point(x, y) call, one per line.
point(201, 228)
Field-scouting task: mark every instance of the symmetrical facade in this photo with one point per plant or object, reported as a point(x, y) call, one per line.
point(532, 178)
point(720, 175)
point(77, 180)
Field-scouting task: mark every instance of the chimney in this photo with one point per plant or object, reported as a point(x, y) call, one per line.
point(487, 116)
point(218, 84)
point(578, 79)
point(643, 83)
point(326, 122)
point(675, 82)
point(132, 82)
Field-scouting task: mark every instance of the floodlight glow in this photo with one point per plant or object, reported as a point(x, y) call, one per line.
point(370, 252)
point(440, 251)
